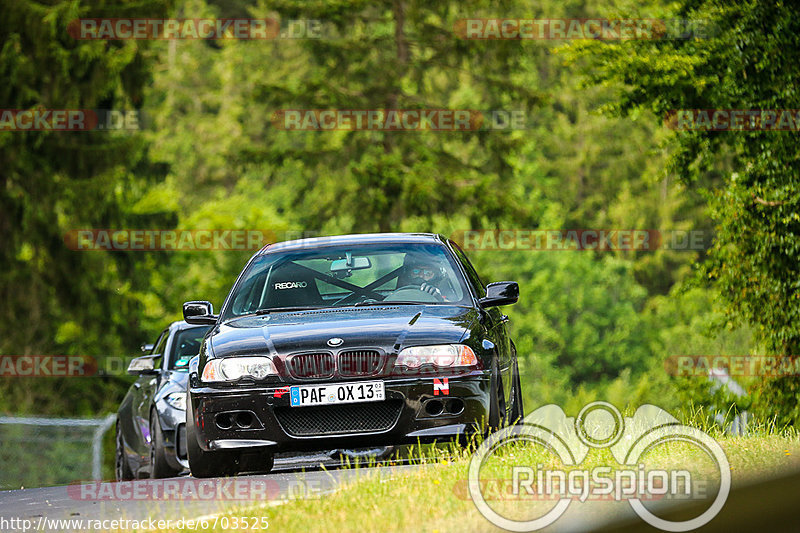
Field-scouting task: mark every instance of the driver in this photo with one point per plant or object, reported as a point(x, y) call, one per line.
point(427, 274)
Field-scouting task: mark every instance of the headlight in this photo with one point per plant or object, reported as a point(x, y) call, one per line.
point(443, 355)
point(176, 400)
point(233, 368)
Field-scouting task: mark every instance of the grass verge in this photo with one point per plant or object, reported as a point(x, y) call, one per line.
point(434, 497)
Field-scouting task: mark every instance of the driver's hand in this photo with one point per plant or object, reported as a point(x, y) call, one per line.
point(430, 289)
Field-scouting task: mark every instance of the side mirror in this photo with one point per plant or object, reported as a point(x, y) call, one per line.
point(500, 293)
point(143, 365)
point(199, 312)
point(147, 348)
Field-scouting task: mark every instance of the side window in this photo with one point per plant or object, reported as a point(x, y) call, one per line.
point(160, 346)
point(161, 343)
point(472, 275)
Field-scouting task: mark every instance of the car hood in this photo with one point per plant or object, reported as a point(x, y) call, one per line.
point(389, 328)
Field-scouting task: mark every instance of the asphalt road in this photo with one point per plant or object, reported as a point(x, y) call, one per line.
point(771, 503)
point(182, 497)
point(296, 477)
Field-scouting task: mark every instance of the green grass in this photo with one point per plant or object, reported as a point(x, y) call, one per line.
point(435, 498)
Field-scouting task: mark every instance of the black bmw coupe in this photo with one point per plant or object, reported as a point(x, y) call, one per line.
point(349, 341)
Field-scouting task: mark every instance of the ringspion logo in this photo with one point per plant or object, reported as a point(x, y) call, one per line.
point(599, 425)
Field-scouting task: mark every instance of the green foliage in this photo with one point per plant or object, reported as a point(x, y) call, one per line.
point(588, 325)
point(688, 322)
point(55, 300)
point(753, 62)
point(583, 313)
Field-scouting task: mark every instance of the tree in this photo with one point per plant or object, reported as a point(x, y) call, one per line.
point(391, 55)
point(56, 300)
point(751, 63)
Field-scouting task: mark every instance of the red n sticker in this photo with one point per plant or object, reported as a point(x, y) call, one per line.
point(441, 386)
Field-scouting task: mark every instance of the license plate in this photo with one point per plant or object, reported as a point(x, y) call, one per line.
point(365, 391)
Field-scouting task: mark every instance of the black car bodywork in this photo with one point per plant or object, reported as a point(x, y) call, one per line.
point(355, 340)
point(151, 431)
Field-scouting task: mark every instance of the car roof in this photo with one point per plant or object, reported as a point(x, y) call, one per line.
point(354, 239)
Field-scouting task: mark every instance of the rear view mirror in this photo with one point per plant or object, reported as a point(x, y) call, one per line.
point(351, 263)
point(500, 293)
point(199, 312)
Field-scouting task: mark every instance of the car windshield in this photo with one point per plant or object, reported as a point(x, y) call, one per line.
point(345, 276)
point(186, 345)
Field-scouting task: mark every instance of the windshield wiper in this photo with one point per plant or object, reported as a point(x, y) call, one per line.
point(359, 304)
point(279, 309)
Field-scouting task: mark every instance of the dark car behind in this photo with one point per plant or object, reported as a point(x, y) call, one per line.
point(151, 431)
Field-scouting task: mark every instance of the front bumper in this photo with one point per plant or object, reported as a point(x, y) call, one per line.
point(412, 402)
point(173, 427)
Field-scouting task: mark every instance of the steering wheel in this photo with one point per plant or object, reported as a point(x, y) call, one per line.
point(412, 293)
point(358, 297)
point(189, 348)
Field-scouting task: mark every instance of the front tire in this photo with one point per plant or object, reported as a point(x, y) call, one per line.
point(497, 404)
point(159, 467)
point(204, 463)
point(517, 413)
point(257, 462)
point(122, 469)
